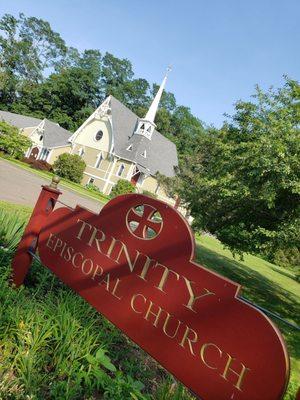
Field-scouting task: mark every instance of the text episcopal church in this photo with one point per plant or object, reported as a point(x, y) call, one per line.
point(116, 144)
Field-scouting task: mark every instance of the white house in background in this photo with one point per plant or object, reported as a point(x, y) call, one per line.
point(49, 139)
point(116, 144)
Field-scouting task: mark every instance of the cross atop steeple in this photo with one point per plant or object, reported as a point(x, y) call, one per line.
point(146, 125)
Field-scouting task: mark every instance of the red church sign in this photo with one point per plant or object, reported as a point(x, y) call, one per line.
point(134, 263)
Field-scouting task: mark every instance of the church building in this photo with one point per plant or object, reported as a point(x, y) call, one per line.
point(116, 144)
point(48, 138)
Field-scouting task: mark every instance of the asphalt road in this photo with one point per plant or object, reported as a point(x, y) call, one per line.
point(23, 187)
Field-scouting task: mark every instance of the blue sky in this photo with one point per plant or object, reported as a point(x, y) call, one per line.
point(218, 49)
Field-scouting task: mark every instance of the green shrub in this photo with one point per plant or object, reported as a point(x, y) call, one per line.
point(171, 390)
point(122, 187)
point(41, 165)
point(123, 387)
point(150, 194)
point(70, 166)
point(12, 142)
point(92, 188)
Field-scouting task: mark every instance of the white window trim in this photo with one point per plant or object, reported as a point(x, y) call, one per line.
point(101, 179)
point(97, 169)
point(49, 155)
point(41, 154)
point(27, 154)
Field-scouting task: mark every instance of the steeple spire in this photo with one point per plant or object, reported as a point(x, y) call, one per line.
point(146, 125)
point(150, 116)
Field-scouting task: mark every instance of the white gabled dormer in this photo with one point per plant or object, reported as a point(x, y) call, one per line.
point(37, 135)
point(104, 110)
point(97, 131)
point(146, 125)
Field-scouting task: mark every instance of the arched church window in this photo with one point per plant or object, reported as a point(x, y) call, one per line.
point(99, 135)
point(99, 160)
point(121, 170)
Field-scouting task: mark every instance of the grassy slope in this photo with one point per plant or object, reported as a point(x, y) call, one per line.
point(263, 283)
point(266, 284)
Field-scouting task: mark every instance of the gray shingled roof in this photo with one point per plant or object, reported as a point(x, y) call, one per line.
point(54, 135)
point(161, 153)
point(19, 121)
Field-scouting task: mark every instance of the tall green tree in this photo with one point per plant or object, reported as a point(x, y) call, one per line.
point(135, 94)
point(67, 96)
point(28, 46)
point(12, 142)
point(167, 100)
point(40, 76)
point(116, 73)
point(185, 130)
point(243, 183)
point(117, 80)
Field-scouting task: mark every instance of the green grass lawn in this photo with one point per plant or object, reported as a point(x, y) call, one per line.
point(56, 335)
point(265, 284)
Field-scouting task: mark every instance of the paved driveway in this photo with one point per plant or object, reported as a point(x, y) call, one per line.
point(23, 187)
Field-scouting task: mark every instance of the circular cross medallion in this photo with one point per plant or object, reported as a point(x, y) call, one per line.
point(144, 222)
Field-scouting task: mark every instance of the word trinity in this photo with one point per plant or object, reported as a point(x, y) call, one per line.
point(114, 249)
point(147, 284)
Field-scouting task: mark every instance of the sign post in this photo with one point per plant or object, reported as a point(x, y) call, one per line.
point(134, 263)
point(43, 208)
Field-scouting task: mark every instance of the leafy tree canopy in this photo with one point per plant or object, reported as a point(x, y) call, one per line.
point(42, 77)
point(243, 182)
point(12, 142)
point(28, 46)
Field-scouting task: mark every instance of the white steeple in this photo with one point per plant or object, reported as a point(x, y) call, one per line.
point(150, 116)
point(146, 125)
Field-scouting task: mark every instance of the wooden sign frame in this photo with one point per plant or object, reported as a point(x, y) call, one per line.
point(134, 263)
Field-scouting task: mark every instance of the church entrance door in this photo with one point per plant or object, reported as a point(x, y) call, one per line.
point(34, 153)
point(135, 177)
